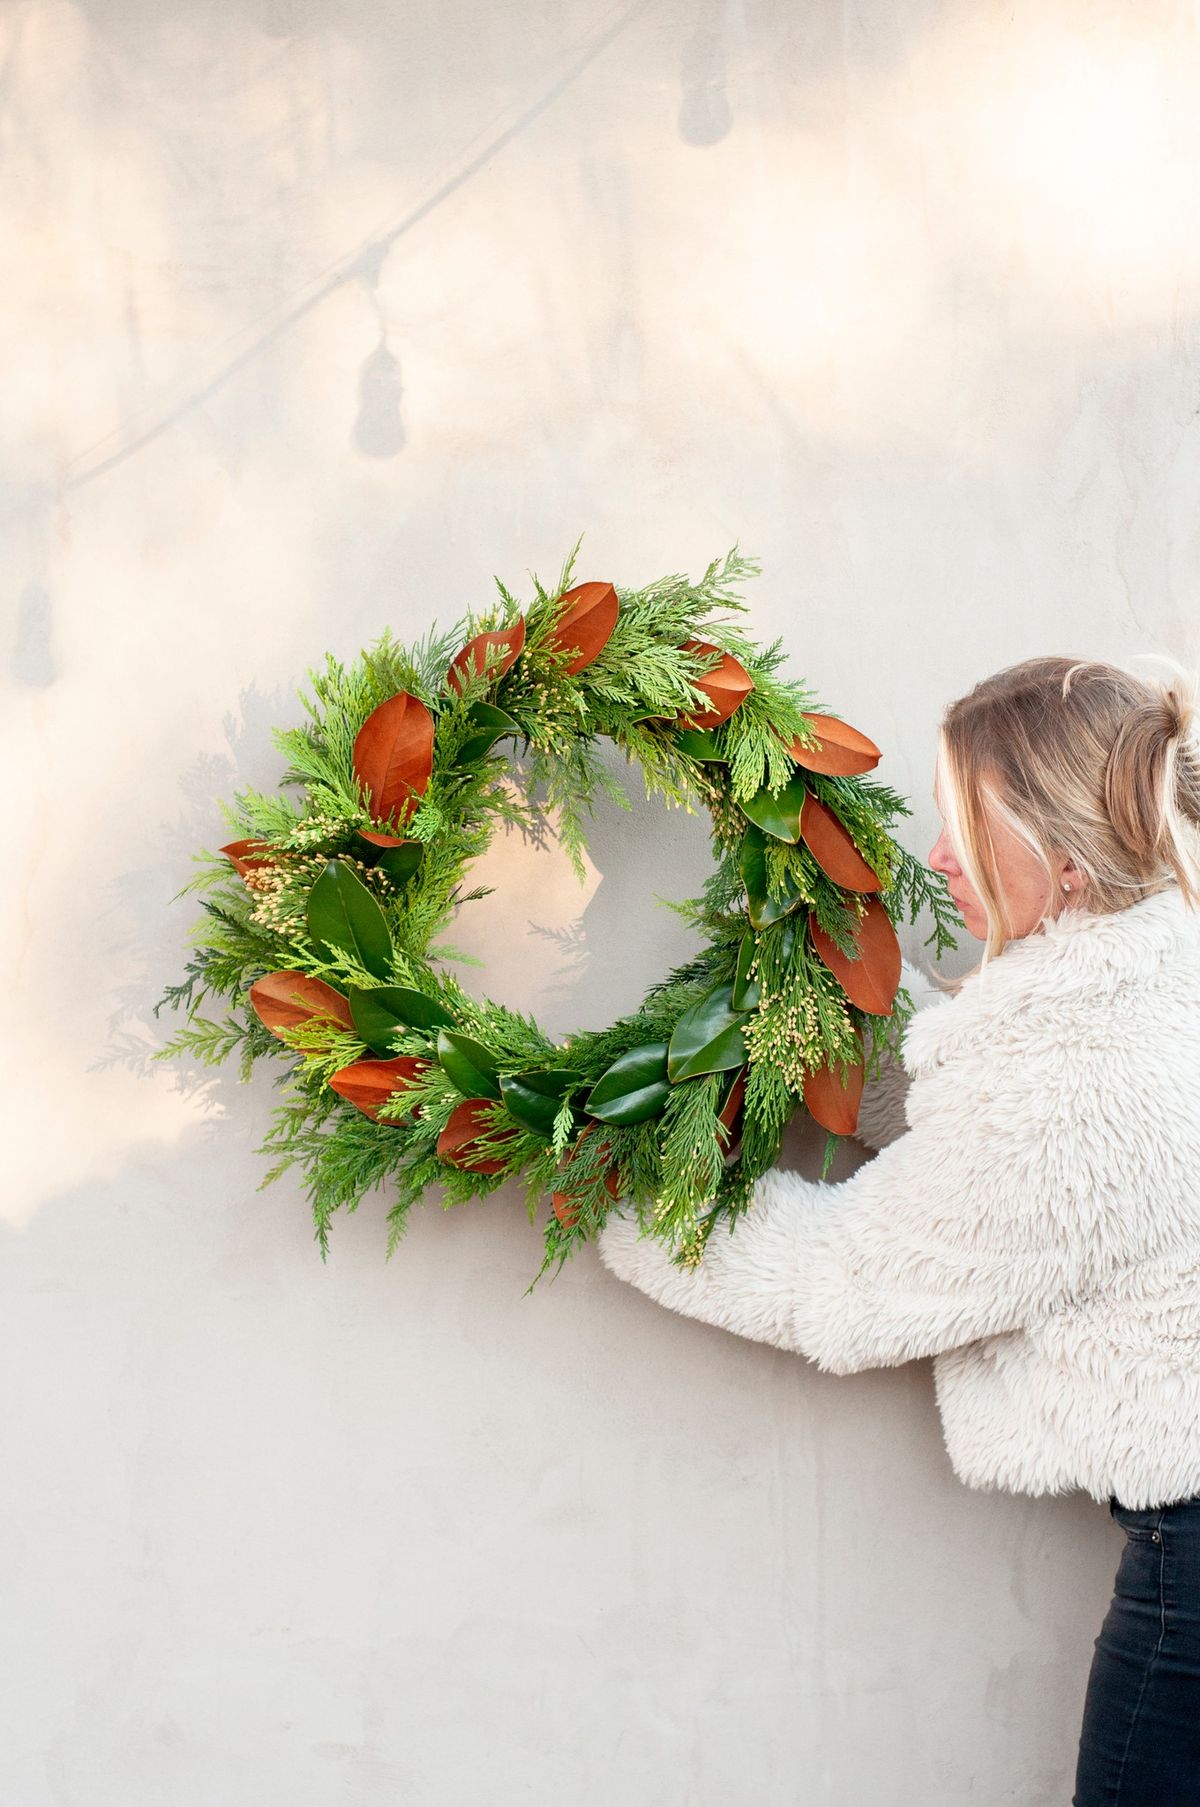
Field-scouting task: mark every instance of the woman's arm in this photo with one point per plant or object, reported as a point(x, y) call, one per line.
point(985, 1214)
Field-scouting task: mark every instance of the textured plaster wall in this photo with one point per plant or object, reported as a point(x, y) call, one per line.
point(316, 316)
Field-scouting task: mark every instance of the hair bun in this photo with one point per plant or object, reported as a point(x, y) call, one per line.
point(1181, 710)
point(1180, 695)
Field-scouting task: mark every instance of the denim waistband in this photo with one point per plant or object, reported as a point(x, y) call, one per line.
point(1183, 1508)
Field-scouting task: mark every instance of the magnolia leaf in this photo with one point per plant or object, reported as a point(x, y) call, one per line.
point(730, 1116)
point(383, 1009)
point(390, 853)
point(341, 912)
point(403, 862)
point(872, 980)
point(493, 724)
point(841, 751)
point(746, 991)
point(370, 1083)
point(565, 1204)
point(832, 847)
point(393, 756)
point(534, 1098)
point(469, 663)
point(832, 1094)
point(248, 855)
point(777, 813)
point(283, 1000)
point(633, 1088)
point(370, 842)
point(699, 743)
point(752, 864)
point(458, 1142)
point(585, 624)
point(725, 686)
point(707, 1038)
point(566, 1208)
point(471, 1066)
point(732, 1102)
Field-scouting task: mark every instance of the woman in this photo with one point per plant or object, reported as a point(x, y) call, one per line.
point(1032, 1219)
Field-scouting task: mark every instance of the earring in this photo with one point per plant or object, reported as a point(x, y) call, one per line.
point(1066, 886)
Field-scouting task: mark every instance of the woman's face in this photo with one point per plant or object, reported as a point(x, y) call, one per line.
point(1019, 875)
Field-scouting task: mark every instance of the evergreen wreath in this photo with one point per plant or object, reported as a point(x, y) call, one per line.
point(323, 914)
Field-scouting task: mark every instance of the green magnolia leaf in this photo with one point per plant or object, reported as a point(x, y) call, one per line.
point(634, 1088)
point(778, 814)
point(534, 1098)
point(752, 864)
point(341, 912)
point(469, 1064)
point(401, 863)
point(398, 862)
point(493, 724)
point(746, 991)
point(707, 1038)
point(699, 743)
point(383, 1009)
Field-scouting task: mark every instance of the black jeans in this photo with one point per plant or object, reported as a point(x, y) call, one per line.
point(1140, 1743)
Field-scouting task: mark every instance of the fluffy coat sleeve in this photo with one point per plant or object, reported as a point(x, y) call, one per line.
point(996, 1205)
point(881, 1111)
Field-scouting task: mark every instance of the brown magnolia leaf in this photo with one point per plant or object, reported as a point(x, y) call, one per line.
point(832, 1104)
point(725, 686)
point(381, 840)
point(393, 755)
point(469, 662)
point(245, 855)
point(730, 1115)
point(586, 623)
point(566, 1208)
point(370, 1083)
point(284, 1000)
point(457, 1142)
point(873, 979)
point(833, 848)
point(733, 1104)
point(842, 752)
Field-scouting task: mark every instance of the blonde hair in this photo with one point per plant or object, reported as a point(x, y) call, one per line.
point(1078, 758)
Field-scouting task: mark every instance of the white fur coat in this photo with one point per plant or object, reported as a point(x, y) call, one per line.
point(1035, 1227)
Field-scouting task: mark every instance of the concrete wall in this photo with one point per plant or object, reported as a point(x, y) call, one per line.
point(317, 316)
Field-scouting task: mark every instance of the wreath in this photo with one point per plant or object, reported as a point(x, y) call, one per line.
point(322, 916)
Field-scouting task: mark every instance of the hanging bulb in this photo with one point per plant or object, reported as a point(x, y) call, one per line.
point(378, 428)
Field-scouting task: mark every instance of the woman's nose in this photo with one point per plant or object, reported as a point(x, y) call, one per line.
point(941, 856)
